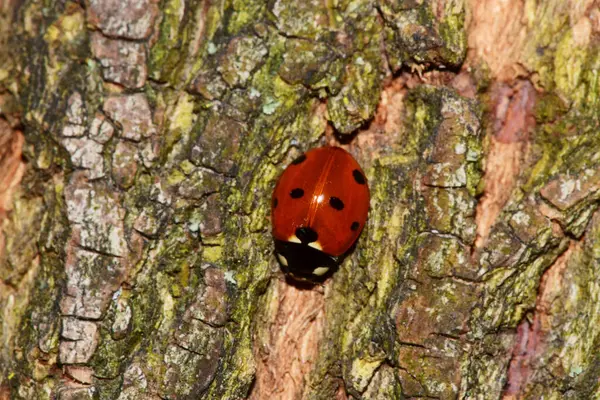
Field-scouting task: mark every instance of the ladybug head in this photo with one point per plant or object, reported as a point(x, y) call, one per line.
point(303, 262)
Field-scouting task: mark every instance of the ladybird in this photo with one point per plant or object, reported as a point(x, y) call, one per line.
point(318, 209)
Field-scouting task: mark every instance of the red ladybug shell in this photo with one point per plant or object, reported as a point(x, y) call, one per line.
point(321, 200)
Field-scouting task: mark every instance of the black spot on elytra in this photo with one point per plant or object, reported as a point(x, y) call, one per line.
point(358, 177)
point(354, 225)
point(275, 202)
point(306, 235)
point(299, 160)
point(297, 193)
point(336, 203)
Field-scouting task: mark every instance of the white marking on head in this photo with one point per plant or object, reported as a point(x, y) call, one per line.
point(320, 271)
point(294, 239)
point(282, 260)
point(316, 245)
point(319, 198)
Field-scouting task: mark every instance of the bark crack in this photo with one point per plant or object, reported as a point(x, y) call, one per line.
point(530, 334)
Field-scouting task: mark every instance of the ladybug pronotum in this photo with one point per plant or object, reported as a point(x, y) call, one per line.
point(319, 208)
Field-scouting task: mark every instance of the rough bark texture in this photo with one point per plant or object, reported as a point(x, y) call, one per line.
point(136, 260)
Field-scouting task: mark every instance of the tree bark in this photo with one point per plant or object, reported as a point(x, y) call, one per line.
point(139, 145)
